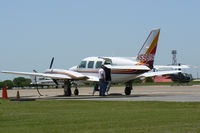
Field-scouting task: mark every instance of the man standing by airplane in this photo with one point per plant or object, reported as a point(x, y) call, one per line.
point(102, 81)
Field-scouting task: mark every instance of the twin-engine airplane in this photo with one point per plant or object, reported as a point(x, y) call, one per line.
point(123, 69)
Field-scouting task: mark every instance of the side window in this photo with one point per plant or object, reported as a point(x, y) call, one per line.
point(83, 64)
point(98, 64)
point(91, 64)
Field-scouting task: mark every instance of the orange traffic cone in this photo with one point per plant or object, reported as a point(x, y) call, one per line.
point(18, 96)
point(4, 94)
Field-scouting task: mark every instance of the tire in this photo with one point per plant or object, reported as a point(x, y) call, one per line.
point(76, 92)
point(68, 92)
point(127, 90)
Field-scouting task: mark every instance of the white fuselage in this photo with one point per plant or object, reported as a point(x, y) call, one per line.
point(90, 66)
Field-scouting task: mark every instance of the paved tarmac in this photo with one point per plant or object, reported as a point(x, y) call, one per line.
point(139, 93)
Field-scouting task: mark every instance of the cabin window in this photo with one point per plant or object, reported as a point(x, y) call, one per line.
point(98, 64)
point(91, 64)
point(83, 64)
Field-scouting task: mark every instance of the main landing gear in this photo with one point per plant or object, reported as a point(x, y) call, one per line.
point(67, 89)
point(76, 92)
point(128, 88)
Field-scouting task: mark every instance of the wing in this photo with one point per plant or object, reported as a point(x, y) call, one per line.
point(92, 79)
point(151, 74)
point(171, 67)
point(53, 76)
point(67, 74)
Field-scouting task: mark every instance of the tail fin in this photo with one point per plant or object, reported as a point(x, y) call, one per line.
point(148, 50)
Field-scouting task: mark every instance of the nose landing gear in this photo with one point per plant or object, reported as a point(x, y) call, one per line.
point(76, 92)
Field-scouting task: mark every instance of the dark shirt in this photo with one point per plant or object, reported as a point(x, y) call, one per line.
point(108, 74)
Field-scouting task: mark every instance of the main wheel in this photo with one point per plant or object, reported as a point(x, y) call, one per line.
point(68, 92)
point(127, 90)
point(67, 88)
point(76, 92)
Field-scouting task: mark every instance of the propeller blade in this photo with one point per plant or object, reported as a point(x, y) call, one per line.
point(51, 63)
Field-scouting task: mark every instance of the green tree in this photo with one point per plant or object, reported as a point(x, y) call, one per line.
point(149, 80)
point(8, 83)
point(1, 84)
point(137, 80)
point(27, 82)
point(21, 82)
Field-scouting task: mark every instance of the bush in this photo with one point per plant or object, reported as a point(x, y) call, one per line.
point(21, 82)
point(8, 83)
point(1, 84)
point(149, 80)
point(137, 80)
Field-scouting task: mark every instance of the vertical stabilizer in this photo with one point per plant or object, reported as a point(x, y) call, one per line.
point(148, 50)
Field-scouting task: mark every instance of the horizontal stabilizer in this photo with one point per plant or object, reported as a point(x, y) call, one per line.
point(151, 74)
point(171, 67)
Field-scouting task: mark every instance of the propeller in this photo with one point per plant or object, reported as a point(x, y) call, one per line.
point(51, 63)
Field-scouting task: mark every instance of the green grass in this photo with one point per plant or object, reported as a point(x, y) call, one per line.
point(99, 117)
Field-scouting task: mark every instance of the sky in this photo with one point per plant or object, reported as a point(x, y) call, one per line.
point(34, 31)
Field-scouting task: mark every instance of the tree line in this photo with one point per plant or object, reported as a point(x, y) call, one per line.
point(16, 82)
